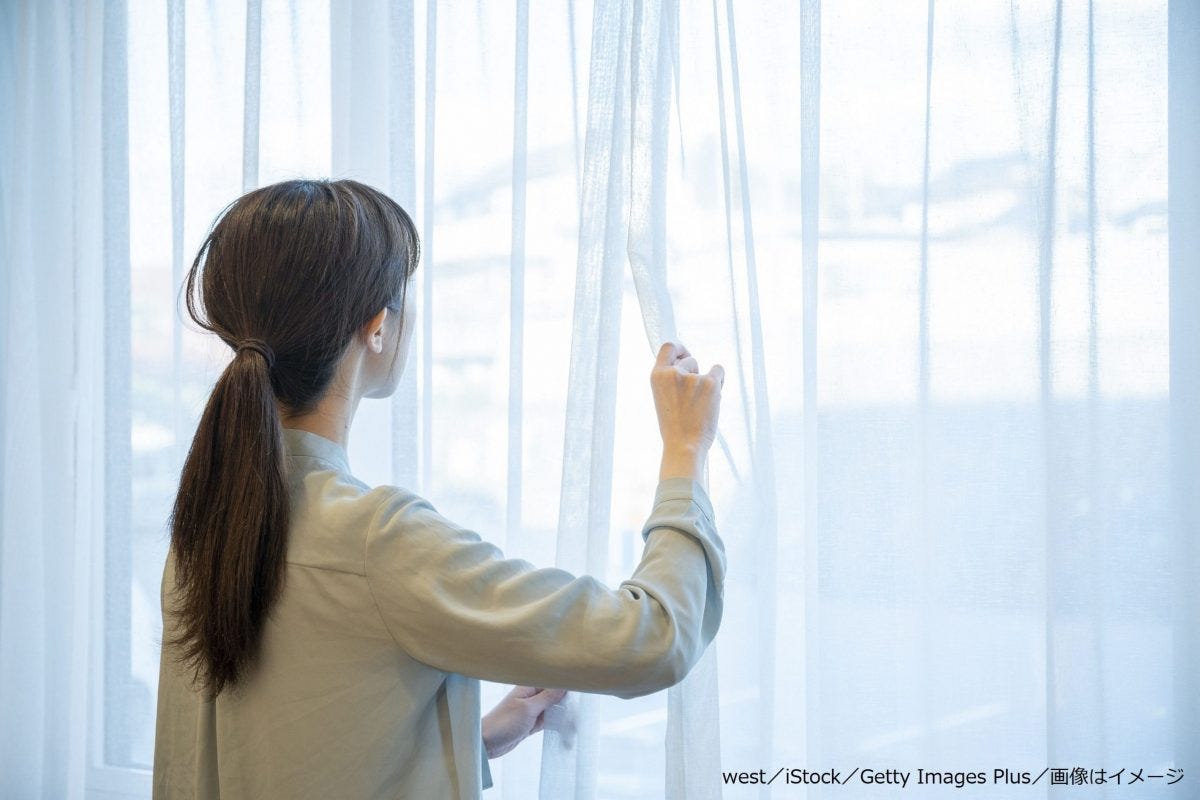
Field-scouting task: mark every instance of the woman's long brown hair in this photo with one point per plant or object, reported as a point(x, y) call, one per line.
point(300, 266)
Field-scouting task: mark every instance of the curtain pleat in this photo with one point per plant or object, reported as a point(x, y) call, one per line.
point(1098, 507)
point(923, 276)
point(516, 301)
point(926, 533)
point(1045, 271)
point(118, 378)
point(569, 745)
point(577, 152)
point(75, 640)
point(762, 451)
point(62, 147)
point(177, 100)
point(427, 213)
point(1184, 241)
point(693, 719)
point(402, 151)
point(805, 703)
point(24, 689)
point(754, 395)
point(649, 123)
point(726, 186)
point(514, 538)
point(251, 98)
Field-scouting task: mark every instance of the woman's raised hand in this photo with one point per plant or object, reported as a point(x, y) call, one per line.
point(688, 403)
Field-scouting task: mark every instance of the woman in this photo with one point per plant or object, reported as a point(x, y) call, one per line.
point(325, 639)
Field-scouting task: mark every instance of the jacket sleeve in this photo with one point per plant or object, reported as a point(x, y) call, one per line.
point(454, 602)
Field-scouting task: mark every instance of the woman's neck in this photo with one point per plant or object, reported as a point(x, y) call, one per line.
point(333, 426)
point(331, 418)
point(335, 411)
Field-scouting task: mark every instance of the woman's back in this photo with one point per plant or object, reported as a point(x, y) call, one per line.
point(329, 688)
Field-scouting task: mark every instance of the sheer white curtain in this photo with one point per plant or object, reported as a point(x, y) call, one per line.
point(947, 253)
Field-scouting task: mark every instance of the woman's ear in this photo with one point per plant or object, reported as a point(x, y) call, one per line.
point(373, 331)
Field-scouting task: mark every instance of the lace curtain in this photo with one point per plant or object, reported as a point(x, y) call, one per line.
point(946, 252)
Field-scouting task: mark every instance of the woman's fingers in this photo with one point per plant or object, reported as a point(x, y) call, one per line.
point(669, 353)
point(540, 701)
point(547, 697)
point(718, 372)
point(666, 355)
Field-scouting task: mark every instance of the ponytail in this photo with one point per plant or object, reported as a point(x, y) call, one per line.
point(229, 524)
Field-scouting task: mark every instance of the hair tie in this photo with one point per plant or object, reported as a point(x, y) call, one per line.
point(258, 346)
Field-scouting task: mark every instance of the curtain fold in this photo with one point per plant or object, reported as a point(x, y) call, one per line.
point(693, 717)
point(516, 301)
point(428, 210)
point(803, 703)
point(569, 747)
point(759, 429)
point(63, 196)
point(402, 146)
point(251, 92)
point(177, 99)
point(1184, 208)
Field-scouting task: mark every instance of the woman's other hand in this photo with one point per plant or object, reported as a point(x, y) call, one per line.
point(519, 714)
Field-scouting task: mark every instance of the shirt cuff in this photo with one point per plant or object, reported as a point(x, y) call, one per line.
point(683, 504)
point(686, 489)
